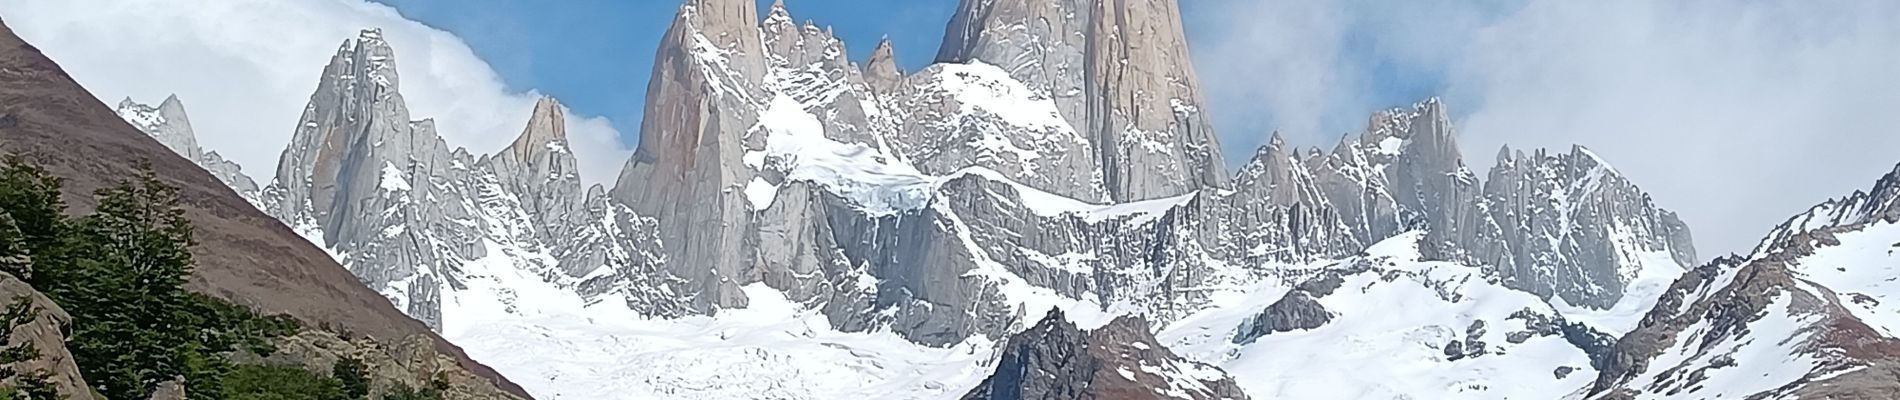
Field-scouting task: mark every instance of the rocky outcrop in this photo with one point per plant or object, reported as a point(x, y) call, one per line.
point(881, 71)
point(172, 127)
point(170, 390)
point(1120, 360)
point(407, 362)
point(1119, 73)
point(46, 331)
point(809, 65)
point(1297, 311)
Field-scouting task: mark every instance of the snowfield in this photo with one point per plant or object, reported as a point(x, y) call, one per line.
point(1389, 325)
point(773, 350)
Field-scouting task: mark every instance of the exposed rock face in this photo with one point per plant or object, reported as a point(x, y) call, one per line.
point(539, 170)
point(172, 127)
point(1121, 360)
point(962, 115)
point(374, 184)
point(808, 64)
point(1575, 228)
point(687, 171)
point(1296, 311)
point(47, 332)
point(1566, 226)
point(1801, 317)
point(1119, 73)
point(881, 71)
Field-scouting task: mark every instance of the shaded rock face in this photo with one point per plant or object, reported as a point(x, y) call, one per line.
point(1119, 73)
point(172, 127)
point(1802, 293)
point(1121, 360)
point(1297, 311)
point(47, 332)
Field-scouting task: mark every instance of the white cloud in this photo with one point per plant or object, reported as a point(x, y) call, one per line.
point(246, 68)
point(1737, 114)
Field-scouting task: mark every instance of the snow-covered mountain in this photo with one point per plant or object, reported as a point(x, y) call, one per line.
point(796, 225)
point(1810, 313)
point(172, 127)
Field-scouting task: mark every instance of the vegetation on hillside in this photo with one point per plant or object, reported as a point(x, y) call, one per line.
point(120, 272)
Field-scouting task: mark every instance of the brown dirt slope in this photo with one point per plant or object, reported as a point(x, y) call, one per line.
point(243, 255)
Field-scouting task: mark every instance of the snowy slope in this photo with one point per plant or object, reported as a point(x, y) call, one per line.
point(1863, 270)
point(1393, 316)
point(774, 349)
point(1809, 314)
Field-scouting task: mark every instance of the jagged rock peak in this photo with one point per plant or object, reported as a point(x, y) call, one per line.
point(368, 56)
point(167, 123)
point(779, 24)
point(1881, 202)
point(704, 95)
point(540, 170)
point(546, 131)
point(881, 71)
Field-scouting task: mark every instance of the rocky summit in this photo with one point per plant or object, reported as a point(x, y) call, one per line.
point(1043, 212)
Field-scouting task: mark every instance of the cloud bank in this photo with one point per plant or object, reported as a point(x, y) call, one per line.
point(246, 68)
point(1736, 114)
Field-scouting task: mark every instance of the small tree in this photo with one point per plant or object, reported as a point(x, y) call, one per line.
point(35, 220)
point(354, 375)
point(139, 329)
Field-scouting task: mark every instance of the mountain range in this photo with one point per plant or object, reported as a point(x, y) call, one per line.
point(1044, 212)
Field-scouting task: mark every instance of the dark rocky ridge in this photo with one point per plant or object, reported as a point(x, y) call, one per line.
point(1120, 360)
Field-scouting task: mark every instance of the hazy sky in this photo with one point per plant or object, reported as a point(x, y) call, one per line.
point(1735, 113)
